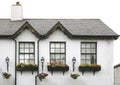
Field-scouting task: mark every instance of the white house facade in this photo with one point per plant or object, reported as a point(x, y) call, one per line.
point(48, 51)
point(117, 74)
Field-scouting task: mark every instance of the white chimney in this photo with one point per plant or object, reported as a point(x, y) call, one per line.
point(16, 12)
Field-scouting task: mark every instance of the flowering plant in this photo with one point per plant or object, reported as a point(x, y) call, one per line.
point(90, 65)
point(74, 75)
point(27, 67)
point(59, 64)
point(42, 76)
point(6, 75)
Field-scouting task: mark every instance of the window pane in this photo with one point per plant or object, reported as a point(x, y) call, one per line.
point(26, 56)
point(31, 61)
point(21, 61)
point(93, 45)
point(52, 56)
point(82, 61)
point(92, 50)
point(31, 56)
point(83, 50)
point(31, 45)
point(88, 45)
point(62, 56)
point(52, 45)
point(52, 61)
point(62, 50)
point(52, 50)
point(21, 56)
point(88, 56)
point(88, 49)
point(58, 60)
point(26, 50)
point(88, 61)
point(31, 50)
point(21, 50)
point(27, 62)
point(57, 56)
point(82, 56)
point(57, 50)
point(63, 61)
point(83, 45)
point(26, 45)
point(21, 45)
point(57, 45)
point(62, 45)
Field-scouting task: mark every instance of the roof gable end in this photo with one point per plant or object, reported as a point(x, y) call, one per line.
point(57, 26)
point(26, 25)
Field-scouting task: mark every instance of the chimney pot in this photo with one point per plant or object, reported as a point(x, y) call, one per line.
point(16, 12)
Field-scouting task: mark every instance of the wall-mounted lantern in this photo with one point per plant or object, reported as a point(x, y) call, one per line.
point(74, 61)
point(42, 61)
point(7, 62)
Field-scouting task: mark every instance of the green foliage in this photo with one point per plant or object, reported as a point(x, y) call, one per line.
point(6, 75)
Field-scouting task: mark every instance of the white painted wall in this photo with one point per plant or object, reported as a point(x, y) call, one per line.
point(26, 78)
point(104, 58)
point(117, 75)
point(7, 48)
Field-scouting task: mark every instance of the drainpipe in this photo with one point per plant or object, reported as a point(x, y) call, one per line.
point(15, 61)
point(38, 55)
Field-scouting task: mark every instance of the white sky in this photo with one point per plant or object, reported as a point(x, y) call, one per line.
point(107, 10)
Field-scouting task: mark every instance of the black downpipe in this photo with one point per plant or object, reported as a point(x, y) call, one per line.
point(15, 61)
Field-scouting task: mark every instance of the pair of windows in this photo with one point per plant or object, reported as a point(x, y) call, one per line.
point(57, 52)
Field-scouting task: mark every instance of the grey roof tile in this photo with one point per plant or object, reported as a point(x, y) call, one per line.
point(80, 27)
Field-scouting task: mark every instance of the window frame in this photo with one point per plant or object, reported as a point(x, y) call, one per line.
point(89, 53)
point(26, 53)
point(58, 53)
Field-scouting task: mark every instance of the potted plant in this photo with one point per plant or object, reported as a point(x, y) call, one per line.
point(89, 67)
point(74, 75)
point(57, 67)
point(42, 76)
point(6, 75)
point(27, 67)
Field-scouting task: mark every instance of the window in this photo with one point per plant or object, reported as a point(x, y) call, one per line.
point(27, 52)
point(88, 52)
point(57, 52)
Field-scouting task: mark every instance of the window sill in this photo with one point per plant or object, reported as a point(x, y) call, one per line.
point(57, 68)
point(89, 68)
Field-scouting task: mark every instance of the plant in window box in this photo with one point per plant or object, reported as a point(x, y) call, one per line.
point(42, 76)
point(27, 67)
point(6, 75)
point(58, 66)
point(74, 75)
point(89, 67)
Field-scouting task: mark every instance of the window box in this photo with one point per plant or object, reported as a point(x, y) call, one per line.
point(27, 67)
point(91, 67)
point(57, 67)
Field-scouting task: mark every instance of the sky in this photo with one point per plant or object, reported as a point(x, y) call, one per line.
point(106, 10)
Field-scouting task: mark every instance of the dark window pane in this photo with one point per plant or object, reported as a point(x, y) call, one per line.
point(26, 52)
point(57, 52)
point(88, 52)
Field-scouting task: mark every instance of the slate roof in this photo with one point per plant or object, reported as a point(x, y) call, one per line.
point(76, 27)
point(118, 65)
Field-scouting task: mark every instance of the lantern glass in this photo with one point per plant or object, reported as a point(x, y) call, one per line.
point(74, 60)
point(7, 59)
point(42, 59)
